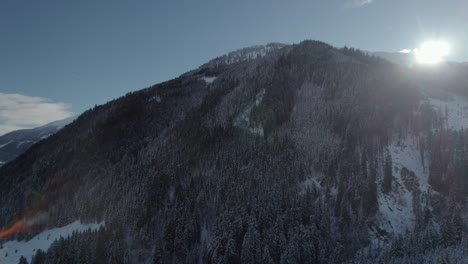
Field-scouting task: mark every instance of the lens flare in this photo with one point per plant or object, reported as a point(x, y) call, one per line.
point(432, 52)
point(33, 192)
point(28, 222)
point(34, 217)
point(19, 226)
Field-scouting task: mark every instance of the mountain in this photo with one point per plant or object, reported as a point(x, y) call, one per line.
point(298, 153)
point(17, 142)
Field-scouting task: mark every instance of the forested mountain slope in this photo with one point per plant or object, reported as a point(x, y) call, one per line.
point(297, 154)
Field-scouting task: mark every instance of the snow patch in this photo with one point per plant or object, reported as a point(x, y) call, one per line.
point(396, 212)
point(23, 142)
point(454, 108)
point(155, 98)
point(405, 154)
point(208, 80)
point(171, 193)
point(6, 144)
point(243, 119)
point(13, 250)
point(205, 234)
point(307, 184)
point(259, 97)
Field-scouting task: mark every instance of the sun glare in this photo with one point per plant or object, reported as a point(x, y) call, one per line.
point(432, 52)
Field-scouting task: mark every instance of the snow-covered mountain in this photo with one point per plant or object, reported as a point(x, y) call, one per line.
point(298, 153)
point(17, 142)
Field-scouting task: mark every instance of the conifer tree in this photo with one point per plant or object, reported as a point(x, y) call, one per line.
point(23, 260)
point(387, 181)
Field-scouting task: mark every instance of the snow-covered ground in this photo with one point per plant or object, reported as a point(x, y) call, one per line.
point(155, 98)
point(13, 250)
point(396, 208)
point(208, 80)
point(259, 97)
point(456, 108)
point(6, 144)
point(309, 183)
point(243, 119)
point(406, 154)
point(396, 212)
point(24, 142)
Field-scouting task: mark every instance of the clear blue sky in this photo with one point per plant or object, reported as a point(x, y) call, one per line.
point(87, 52)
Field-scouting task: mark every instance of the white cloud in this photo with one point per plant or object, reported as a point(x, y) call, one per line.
point(359, 3)
point(405, 51)
point(20, 111)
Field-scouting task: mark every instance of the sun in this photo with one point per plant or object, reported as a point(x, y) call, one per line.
point(432, 52)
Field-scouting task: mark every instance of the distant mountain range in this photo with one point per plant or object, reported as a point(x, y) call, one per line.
point(17, 142)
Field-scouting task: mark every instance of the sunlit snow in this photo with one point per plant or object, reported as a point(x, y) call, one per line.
point(396, 208)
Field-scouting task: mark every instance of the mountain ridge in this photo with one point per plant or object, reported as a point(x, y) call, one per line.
point(14, 143)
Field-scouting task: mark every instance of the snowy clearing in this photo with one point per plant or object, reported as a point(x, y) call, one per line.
point(396, 212)
point(455, 108)
point(396, 208)
point(13, 250)
point(243, 119)
point(208, 80)
point(407, 155)
point(155, 98)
